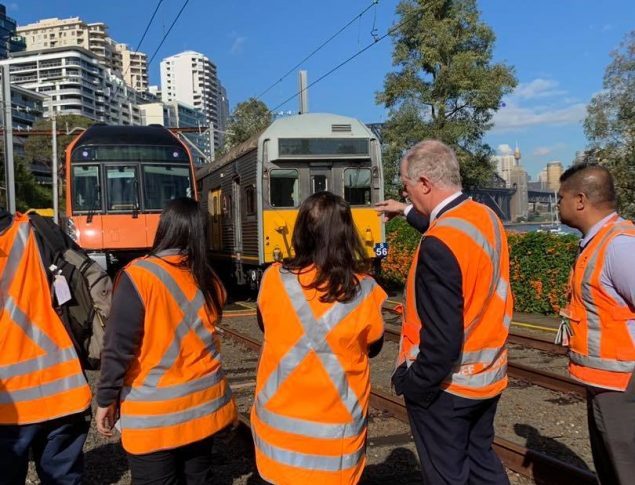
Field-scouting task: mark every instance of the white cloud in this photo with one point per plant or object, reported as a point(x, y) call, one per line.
point(513, 117)
point(538, 88)
point(504, 149)
point(237, 45)
point(543, 151)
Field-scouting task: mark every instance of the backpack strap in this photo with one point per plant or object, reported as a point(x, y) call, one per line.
point(49, 233)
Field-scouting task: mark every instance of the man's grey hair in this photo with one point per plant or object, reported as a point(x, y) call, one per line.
point(434, 160)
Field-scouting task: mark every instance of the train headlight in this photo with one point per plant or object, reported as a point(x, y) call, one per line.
point(277, 254)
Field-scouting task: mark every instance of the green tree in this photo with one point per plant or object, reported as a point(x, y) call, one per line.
point(445, 86)
point(610, 124)
point(249, 118)
point(39, 148)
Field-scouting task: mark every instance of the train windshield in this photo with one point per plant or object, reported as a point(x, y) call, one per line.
point(122, 188)
point(163, 183)
point(284, 188)
point(357, 186)
point(85, 189)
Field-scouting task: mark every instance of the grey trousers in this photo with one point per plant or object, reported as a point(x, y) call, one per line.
point(611, 416)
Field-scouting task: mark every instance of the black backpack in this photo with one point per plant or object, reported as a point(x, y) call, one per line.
point(85, 314)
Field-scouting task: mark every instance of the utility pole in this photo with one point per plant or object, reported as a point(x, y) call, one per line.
point(54, 165)
point(303, 93)
point(9, 175)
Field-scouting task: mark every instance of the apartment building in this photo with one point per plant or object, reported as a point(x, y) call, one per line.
point(74, 32)
point(134, 66)
point(9, 40)
point(75, 82)
point(191, 78)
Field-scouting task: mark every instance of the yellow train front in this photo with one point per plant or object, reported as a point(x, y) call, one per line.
point(252, 194)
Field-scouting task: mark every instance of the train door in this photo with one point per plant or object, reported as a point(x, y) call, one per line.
point(125, 226)
point(320, 179)
point(215, 236)
point(238, 228)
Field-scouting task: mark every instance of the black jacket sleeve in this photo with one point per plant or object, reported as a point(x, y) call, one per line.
point(417, 220)
point(124, 331)
point(439, 297)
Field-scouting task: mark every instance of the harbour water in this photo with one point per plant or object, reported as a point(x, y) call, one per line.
point(540, 226)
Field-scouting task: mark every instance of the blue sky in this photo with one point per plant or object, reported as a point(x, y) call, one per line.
point(559, 49)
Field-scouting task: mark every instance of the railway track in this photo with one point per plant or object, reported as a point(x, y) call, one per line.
point(526, 462)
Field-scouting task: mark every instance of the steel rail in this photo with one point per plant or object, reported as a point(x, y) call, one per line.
point(529, 463)
point(539, 377)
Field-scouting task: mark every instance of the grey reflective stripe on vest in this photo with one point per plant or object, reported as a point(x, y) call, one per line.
point(594, 326)
point(485, 377)
point(308, 461)
point(314, 339)
point(149, 390)
point(602, 363)
point(43, 390)
point(14, 258)
point(53, 355)
point(496, 284)
point(170, 419)
point(631, 330)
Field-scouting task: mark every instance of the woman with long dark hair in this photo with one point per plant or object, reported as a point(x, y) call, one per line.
point(161, 367)
point(321, 316)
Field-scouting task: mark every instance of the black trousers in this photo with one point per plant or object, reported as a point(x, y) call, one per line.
point(454, 439)
point(56, 446)
point(611, 416)
point(190, 464)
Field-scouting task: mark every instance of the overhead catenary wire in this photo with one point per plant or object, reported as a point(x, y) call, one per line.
point(361, 51)
point(156, 9)
point(165, 36)
point(358, 16)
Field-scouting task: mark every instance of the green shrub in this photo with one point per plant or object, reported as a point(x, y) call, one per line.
point(540, 263)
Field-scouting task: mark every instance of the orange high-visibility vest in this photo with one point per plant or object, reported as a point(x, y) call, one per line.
point(175, 392)
point(477, 239)
point(601, 351)
point(312, 386)
point(41, 377)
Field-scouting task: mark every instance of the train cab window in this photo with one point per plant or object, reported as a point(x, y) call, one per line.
point(357, 186)
point(250, 200)
point(284, 188)
point(162, 183)
point(86, 188)
point(319, 183)
point(123, 188)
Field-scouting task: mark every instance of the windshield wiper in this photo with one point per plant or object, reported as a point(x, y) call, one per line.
point(135, 208)
point(94, 206)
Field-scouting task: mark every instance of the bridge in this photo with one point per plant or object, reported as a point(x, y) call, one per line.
point(499, 199)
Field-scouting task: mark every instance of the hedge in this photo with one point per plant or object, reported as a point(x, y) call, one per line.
point(539, 265)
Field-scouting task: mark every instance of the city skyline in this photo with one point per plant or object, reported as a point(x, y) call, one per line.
point(559, 50)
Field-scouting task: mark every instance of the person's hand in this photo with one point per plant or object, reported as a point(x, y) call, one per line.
point(105, 419)
point(390, 208)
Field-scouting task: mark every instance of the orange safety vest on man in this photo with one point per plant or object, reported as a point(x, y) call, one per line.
point(601, 350)
point(313, 386)
point(41, 377)
point(476, 238)
point(175, 392)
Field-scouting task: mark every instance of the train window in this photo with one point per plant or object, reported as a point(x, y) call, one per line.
point(283, 188)
point(250, 200)
point(319, 183)
point(162, 183)
point(123, 188)
point(357, 186)
point(85, 190)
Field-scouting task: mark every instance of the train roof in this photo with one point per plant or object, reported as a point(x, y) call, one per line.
point(127, 135)
point(313, 125)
